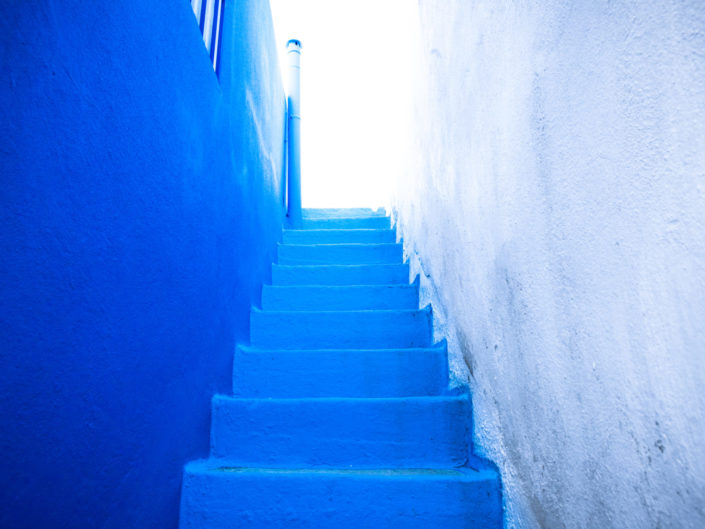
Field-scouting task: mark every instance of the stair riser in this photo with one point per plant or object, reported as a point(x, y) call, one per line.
point(340, 330)
point(362, 223)
point(340, 254)
point(340, 275)
point(340, 298)
point(248, 499)
point(347, 433)
point(338, 236)
point(335, 373)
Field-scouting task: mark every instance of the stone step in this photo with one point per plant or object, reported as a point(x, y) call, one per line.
point(347, 223)
point(338, 236)
point(285, 373)
point(327, 213)
point(221, 497)
point(406, 432)
point(363, 329)
point(389, 253)
point(385, 274)
point(348, 297)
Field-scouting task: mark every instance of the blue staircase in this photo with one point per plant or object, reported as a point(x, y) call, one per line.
point(341, 415)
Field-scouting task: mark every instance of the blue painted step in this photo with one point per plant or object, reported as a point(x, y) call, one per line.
point(340, 274)
point(408, 432)
point(340, 372)
point(338, 236)
point(216, 497)
point(339, 253)
point(363, 329)
point(348, 297)
point(327, 213)
point(341, 415)
point(354, 223)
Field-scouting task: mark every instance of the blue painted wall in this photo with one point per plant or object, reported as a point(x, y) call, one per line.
point(140, 201)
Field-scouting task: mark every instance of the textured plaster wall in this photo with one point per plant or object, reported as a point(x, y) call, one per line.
point(140, 201)
point(555, 202)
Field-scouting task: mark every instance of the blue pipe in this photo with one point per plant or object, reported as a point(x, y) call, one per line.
point(294, 154)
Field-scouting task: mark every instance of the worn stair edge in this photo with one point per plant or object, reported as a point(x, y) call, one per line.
point(221, 497)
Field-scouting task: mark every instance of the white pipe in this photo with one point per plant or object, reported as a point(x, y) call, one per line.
point(294, 111)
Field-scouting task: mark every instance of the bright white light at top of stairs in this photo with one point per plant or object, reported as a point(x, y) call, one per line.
point(355, 77)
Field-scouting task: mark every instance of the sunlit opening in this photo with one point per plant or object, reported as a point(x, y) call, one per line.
point(355, 96)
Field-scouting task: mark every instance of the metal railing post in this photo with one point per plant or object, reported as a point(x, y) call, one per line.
point(294, 124)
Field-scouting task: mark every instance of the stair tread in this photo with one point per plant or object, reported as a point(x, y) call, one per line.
point(346, 231)
point(347, 217)
point(336, 230)
point(476, 470)
point(339, 244)
point(409, 286)
point(346, 400)
point(316, 213)
point(341, 267)
point(256, 349)
point(304, 312)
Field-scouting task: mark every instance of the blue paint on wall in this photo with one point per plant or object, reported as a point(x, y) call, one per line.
point(141, 202)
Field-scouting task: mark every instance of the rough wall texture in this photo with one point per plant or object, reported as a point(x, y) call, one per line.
point(555, 198)
point(140, 204)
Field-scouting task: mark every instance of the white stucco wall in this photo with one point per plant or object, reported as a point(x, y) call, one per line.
point(555, 197)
